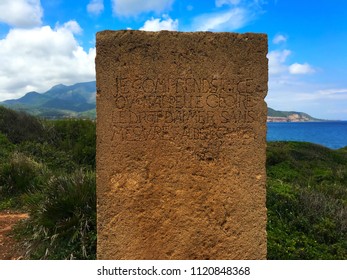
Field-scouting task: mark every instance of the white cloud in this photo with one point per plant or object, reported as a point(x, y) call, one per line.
point(72, 26)
point(288, 91)
point(95, 7)
point(157, 24)
point(324, 95)
point(230, 20)
point(297, 68)
point(279, 39)
point(38, 58)
point(220, 3)
point(229, 15)
point(334, 91)
point(21, 13)
point(136, 7)
point(327, 103)
point(277, 64)
point(277, 59)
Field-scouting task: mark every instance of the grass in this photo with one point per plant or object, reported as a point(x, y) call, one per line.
point(62, 223)
point(307, 201)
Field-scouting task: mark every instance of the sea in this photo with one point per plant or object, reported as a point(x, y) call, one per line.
point(331, 134)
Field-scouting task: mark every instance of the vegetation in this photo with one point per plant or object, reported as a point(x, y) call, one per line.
point(62, 218)
point(47, 168)
point(307, 201)
point(20, 127)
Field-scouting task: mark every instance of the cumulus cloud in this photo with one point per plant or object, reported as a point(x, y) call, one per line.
point(279, 39)
point(290, 91)
point(21, 13)
point(277, 59)
point(220, 3)
point(71, 26)
point(297, 68)
point(38, 58)
point(136, 7)
point(278, 65)
point(232, 19)
point(95, 7)
point(157, 24)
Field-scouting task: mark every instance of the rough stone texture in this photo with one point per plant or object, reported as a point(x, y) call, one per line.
point(181, 126)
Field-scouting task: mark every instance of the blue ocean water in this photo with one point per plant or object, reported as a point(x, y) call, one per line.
point(330, 134)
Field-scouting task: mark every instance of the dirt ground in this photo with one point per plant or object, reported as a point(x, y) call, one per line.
point(9, 249)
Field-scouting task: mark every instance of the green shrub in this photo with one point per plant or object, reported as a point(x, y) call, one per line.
point(77, 137)
point(8, 203)
point(62, 223)
point(20, 126)
point(5, 147)
point(20, 174)
point(55, 159)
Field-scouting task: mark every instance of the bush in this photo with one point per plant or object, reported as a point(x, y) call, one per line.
point(77, 137)
point(55, 159)
point(62, 223)
point(5, 147)
point(21, 174)
point(20, 126)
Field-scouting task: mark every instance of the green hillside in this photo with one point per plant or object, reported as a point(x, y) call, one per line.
point(47, 168)
point(307, 201)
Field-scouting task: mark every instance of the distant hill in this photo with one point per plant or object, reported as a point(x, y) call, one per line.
point(288, 116)
point(60, 101)
point(78, 101)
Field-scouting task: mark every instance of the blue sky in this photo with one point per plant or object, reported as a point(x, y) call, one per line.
point(47, 42)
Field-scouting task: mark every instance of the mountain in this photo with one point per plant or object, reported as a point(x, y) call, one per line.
point(78, 100)
point(288, 116)
point(60, 101)
point(31, 98)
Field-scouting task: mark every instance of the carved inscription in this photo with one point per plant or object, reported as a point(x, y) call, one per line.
point(182, 108)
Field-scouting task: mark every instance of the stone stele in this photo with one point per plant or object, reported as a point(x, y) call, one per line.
point(181, 138)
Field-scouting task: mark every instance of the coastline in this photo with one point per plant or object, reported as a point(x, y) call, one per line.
point(293, 118)
point(286, 120)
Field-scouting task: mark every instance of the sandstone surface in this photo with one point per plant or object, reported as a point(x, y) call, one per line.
point(181, 137)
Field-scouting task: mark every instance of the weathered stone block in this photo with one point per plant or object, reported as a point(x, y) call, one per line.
point(181, 137)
